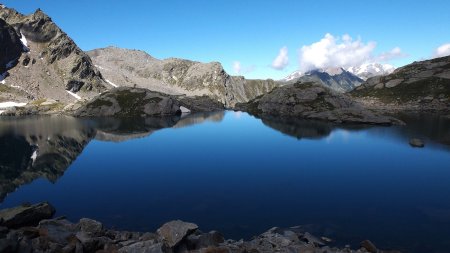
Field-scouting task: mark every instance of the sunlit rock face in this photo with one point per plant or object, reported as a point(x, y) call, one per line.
point(44, 62)
point(314, 101)
point(419, 86)
point(135, 68)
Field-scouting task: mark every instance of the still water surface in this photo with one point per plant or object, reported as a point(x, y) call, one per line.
point(231, 172)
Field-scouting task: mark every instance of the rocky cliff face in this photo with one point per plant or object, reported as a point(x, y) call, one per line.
point(50, 65)
point(10, 46)
point(134, 68)
point(313, 101)
point(421, 85)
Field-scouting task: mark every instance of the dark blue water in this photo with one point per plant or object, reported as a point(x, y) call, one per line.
point(240, 175)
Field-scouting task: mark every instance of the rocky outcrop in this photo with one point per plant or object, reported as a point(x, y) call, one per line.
point(10, 47)
point(130, 102)
point(420, 86)
point(25, 215)
point(52, 64)
point(135, 68)
point(59, 235)
point(313, 101)
point(174, 232)
point(200, 104)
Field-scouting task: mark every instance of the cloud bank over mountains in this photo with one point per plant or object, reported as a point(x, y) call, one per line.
point(331, 51)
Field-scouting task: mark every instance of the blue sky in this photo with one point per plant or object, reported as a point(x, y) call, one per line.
point(253, 32)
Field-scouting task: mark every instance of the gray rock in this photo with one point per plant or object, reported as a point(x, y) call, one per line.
point(200, 104)
point(54, 53)
point(313, 240)
point(90, 243)
point(89, 226)
point(145, 247)
point(175, 231)
point(57, 231)
point(379, 86)
point(410, 88)
point(26, 215)
point(129, 102)
point(369, 246)
point(200, 241)
point(417, 143)
point(10, 46)
point(312, 101)
point(393, 83)
point(135, 68)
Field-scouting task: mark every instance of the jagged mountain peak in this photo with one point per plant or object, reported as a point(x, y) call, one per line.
point(51, 67)
point(176, 76)
point(371, 69)
point(335, 78)
point(332, 71)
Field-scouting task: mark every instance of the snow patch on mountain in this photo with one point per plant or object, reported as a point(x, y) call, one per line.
point(368, 70)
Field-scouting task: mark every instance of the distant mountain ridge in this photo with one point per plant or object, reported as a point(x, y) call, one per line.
point(368, 70)
point(41, 66)
point(337, 79)
point(136, 68)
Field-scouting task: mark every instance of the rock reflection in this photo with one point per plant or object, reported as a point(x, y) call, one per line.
point(45, 146)
point(306, 129)
point(36, 147)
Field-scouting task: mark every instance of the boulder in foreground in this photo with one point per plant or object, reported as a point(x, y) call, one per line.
point(175, 231)
point(59, 235)
point(26, 215)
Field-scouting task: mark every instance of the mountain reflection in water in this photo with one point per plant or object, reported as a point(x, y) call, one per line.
point(237, 174)
point(45, 146)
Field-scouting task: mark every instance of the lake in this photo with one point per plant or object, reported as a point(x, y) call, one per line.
point(237, 174)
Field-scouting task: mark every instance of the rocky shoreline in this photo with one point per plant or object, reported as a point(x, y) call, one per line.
point(32, 228)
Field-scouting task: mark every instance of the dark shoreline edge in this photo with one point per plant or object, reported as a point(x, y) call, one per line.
point(32, 228)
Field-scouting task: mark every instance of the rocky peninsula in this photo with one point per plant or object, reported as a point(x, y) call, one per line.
point(32, 228)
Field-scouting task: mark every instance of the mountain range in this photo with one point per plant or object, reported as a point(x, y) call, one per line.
point(337, 79)
point(42, 68)
point(340, 79)
point(136, 68)
point(40, 62)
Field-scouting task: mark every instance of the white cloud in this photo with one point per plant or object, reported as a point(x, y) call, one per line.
point(240, 70)
point(282, 60)
point(395, 53)
point(344, 52)
point(441, 51)
point(237, 67)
